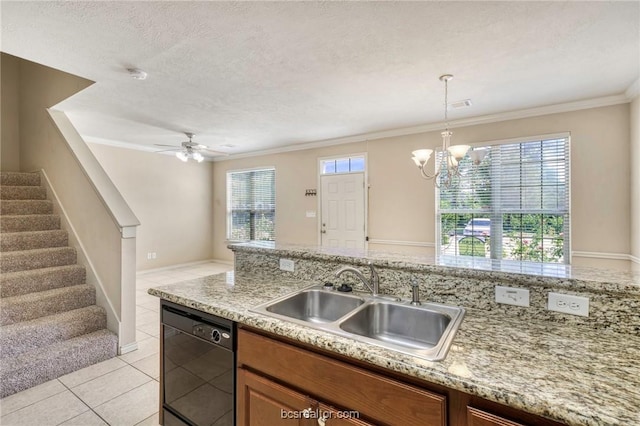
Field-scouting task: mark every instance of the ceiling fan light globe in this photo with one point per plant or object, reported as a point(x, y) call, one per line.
point(198, 157)
point(182, 156)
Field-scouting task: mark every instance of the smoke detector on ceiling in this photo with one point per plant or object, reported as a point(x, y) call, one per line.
point(460, 104)
point(137, 73)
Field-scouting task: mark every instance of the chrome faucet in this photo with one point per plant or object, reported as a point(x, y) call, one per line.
point(373, 284)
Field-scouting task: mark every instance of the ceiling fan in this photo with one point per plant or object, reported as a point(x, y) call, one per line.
point(190, 149)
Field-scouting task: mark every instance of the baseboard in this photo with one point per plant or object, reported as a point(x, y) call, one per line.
point(635, 259)
point(182, 265)
point(402, 243)
point(128, 348)
point(604, 255)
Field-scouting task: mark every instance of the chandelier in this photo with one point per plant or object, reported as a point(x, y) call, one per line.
point(447, 168)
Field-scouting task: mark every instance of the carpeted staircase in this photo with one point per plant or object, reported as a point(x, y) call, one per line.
point(49, 322)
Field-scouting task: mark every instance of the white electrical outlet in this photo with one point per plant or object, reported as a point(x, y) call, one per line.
point(287, 265)
point(569, 304)
point(512, 296)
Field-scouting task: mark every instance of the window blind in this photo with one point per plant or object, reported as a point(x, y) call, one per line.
point(251, 205)
point(523, 189)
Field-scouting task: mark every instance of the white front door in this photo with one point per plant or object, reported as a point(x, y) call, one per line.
point(343, 215)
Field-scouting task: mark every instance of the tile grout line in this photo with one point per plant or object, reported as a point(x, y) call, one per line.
point(81, 400)
point(35, 402)
point(83, 403)
point(117, 396)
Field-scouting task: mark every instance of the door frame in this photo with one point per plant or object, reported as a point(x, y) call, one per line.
point(367, 186)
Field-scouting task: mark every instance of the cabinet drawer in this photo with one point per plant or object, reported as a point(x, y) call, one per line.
point(477, 417)
point(381, 399)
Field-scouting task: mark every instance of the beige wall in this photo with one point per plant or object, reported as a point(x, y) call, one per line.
point(173, 201)
point(9, 107)
point(401, 204)
point(93, 230)
point(635, 178)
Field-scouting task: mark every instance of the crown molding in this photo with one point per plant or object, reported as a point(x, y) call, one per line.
point(626, 97)
point(634, 90)
point(465, 122)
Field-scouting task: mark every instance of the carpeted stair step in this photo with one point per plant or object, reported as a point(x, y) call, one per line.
point(22, 193)
point(50, 362)
point(26, 336)
point(17, 241)
point(35, 305)
point(34, 280)
point(19, 179)
point(22, 207)
point(36, 259)
point(29, 222)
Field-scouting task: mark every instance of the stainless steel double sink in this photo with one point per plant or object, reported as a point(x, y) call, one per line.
point(425, 331)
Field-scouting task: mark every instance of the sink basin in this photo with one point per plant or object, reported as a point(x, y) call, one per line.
point(316, 306)
point(424, 331)
point(403, 325)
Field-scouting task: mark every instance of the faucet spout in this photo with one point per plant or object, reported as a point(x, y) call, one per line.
point(372, 284)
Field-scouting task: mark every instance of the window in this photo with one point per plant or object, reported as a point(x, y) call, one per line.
point(515, 205)
point(342, 165)
point(251, 205)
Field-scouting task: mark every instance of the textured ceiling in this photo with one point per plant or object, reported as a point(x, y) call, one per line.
point(268, 74)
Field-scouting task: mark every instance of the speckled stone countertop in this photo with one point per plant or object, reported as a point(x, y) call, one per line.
point(570, 374)
point(462, 266)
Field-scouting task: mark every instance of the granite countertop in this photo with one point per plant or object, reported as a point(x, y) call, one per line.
point(462, 266)
point(574, 375)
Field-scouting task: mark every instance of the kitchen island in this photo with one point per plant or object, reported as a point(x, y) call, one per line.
point(561, 371)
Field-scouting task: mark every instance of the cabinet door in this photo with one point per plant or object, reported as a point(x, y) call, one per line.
point(261, 402)
point(477, 417)
point(381, 399)
point(329, 416)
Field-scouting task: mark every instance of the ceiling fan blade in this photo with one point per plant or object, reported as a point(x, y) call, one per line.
point(167, 150)
point(171, 146)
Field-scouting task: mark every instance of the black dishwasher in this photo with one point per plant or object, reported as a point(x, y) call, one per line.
point(198, 367)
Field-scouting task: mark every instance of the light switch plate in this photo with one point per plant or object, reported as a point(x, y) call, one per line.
point(512, 296)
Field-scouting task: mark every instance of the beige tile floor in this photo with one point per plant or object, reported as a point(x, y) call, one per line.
point(122, 391)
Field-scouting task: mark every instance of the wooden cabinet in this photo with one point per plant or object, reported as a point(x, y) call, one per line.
point(377, 399)
point(335, 417)
point(477, 417)
point(262, 402)
point(275, 374)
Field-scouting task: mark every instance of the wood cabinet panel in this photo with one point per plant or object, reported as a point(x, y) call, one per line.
point(477, 417)
point(262, 402)
point(334, 417)
point(378, 398)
